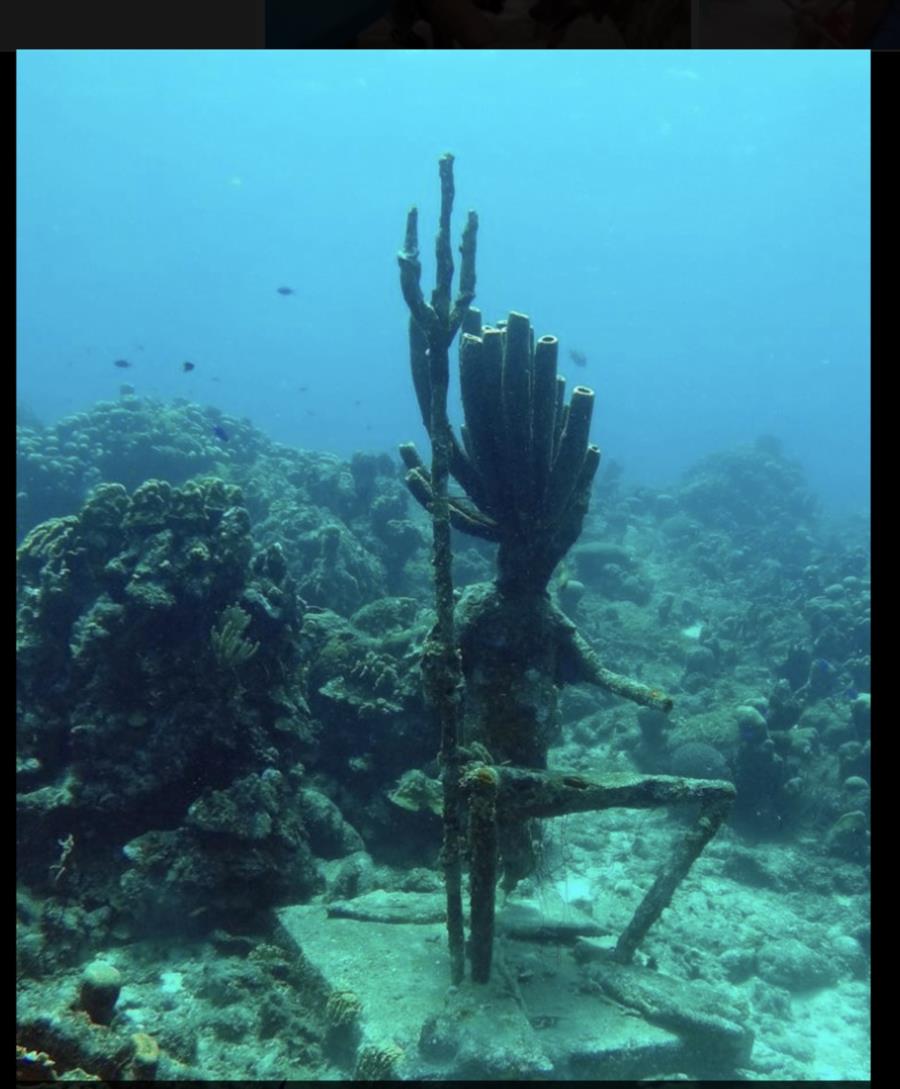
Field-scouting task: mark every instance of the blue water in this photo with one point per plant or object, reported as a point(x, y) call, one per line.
point(695, 223)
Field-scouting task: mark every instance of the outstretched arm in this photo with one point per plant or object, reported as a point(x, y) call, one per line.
point(581, 663)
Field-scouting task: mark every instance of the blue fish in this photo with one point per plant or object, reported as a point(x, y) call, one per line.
point(220, 432)
point(823, 666)
point(851, 693)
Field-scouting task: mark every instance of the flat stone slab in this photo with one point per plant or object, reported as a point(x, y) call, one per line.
point(695, 1010)
point(399, 972)
point(380, 906)
point(530, 920)
point(539, 1017)
point(527, 919)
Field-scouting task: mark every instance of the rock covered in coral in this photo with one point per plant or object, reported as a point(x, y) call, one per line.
point(749, 486)
point(364, 688)
point(697, 760)
point(101, 984)
point(292, 496)
point(158, 666)
point(613, 570)
point(364, 675)
point(342, 551)
point(126, 442)
point(238, 850)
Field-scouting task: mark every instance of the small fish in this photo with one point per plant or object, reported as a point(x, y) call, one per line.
point(851, 693)
point(219, 431)
point(578, 357)
point(285, 291)
point(126, 390)
point(122, 363)
point(188, 366)
point(823, 666)
point(302, 389)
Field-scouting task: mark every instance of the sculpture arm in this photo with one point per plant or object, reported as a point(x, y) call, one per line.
point(581, 663)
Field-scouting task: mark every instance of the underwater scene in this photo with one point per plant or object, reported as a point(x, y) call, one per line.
point(443, 601)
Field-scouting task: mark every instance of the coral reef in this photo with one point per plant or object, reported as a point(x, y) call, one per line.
point(221, 647)
point(126, 442)
point(770, 668)
point(292, 496)
point(157, 668)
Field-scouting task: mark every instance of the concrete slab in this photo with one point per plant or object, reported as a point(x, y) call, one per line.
point(695, 1010)
point(541, 1016)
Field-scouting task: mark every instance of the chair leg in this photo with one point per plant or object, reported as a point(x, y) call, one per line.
point(482, 801)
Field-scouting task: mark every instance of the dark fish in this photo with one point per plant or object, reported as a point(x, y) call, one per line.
point(851, 693)
point(188, 366)
point(823, 665)
point(219, 431)
point(126, 390)
point(123, 363)
point(302, 389)
point(285, 291)
point(578, 357)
